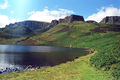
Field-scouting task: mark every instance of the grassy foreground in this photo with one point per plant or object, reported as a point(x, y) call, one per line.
point(78, 69)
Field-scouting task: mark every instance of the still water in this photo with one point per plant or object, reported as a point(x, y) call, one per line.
point(18, 57)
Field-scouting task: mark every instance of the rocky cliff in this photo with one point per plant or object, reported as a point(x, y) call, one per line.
point(111, 19)
point(68, 19)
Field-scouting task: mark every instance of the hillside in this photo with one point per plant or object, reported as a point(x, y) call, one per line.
point(102, 38)
point(23, 29)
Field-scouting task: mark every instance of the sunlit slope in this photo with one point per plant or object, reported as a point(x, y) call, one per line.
point(104, 38)
point(71, 30)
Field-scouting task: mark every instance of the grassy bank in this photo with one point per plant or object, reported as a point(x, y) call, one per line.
point(79, 69)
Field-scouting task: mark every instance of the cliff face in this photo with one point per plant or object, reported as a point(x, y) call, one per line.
point(111, 19)
point(68, 19)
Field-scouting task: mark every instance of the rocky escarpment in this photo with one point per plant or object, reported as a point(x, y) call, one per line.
point(68, 19)
point(111, 19)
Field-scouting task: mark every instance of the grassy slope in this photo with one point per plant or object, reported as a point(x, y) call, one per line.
point(78, 35)
point(76, 70)
point(62, 31)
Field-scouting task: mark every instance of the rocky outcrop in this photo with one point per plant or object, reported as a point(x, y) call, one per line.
point(111, 19)
point(53, 23)
point(91, 21)
point(72, 18)
point(68, 19)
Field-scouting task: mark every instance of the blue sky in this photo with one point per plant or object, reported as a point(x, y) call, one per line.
point(46, 10)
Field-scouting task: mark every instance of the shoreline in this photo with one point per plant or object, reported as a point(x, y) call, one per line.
point(89, 51)
point(73, 68)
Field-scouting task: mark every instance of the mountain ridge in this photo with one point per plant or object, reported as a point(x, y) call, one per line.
point(31, 28)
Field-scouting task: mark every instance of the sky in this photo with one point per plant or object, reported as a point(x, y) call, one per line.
point(46, 10)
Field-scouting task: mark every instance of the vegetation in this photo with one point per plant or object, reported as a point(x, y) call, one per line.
point(103, 38)
point(75, 70)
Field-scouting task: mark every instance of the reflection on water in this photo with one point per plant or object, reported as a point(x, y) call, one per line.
point(18, 57)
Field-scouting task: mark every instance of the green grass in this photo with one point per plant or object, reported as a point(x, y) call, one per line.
point(79, 69)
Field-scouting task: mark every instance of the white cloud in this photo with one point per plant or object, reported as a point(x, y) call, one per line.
point(103, 12)
point(5, 5)
point(4, 20)
point(45, 15)
point(49, 15)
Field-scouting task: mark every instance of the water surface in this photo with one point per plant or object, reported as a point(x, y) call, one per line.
point(19, 58)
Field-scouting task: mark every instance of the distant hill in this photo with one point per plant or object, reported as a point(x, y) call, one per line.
point(32, 28)
point(24, 28)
